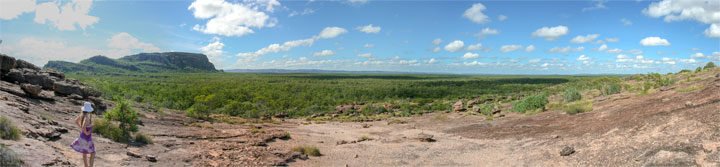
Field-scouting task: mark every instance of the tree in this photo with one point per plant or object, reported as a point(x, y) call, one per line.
point(709, 65)
point(124, 114)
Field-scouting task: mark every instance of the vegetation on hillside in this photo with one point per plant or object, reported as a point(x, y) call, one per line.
point(8, 131)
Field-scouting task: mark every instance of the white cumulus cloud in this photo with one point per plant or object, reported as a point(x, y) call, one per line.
point(331, 32)
point(583, 39)
point(530, 48)
point(551, 33)
point(566, 49)
point(713, 31)
point(65, 17)
point(469, 55)
point(502, 17)
point(324, 53)
point(13, 8)
point(437, 41)
point(232, 19)
point(369, 29)
point(454, 46)
point(654, 41)
point(124, 40)
point(583, 58)
point(475, 14)
point(510, 48)
point(365, 55)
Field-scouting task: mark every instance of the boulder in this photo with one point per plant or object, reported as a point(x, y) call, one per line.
point(471, 103)
point(567, 151)
point(134, 154)
point(280, 115)
point(495, 109)
point(42, 79)
point(65, 88)
point(151, 158)
point(458, 106)
point(24, 64)
point(424, 137)
point(15, 75)
point(6, 63)
point(54, 73)
point(31, 90)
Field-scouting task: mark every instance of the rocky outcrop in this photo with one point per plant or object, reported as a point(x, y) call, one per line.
point(31, 90)
point(31, 77)
point(458, 106)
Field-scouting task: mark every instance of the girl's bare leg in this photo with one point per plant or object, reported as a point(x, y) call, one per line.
point(92, 159)
point(85, 160)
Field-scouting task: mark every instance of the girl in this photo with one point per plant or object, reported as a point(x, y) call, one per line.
point(84, 143)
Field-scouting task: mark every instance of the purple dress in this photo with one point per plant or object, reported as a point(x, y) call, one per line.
point(84, 143)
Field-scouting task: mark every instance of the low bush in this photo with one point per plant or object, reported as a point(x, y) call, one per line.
point(365, 138)
point(9, 131)
point(709, 65)
point(8, 157)
point(530, 103)
point(142, 138)
point(308, 150)
point(108, 130)
point(396, 121)
point(571, 95)
point(577, 108)
point(256, 130)
point(611, 89)
point(286, 136)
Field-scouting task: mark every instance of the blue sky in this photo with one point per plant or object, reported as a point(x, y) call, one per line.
point(468, 37)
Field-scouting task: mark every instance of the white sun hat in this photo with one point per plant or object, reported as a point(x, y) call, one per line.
point(87, 107)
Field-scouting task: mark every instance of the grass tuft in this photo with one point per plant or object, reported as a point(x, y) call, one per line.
point(9, 131)
point(142, 138)
point(308, 150)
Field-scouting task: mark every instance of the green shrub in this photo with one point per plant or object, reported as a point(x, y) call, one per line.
point(611, 89)
point(142, 138)
point(577, 108)
point(487, 109)
point(106, 129)
point(308, 150)
point(9, 158)
point(125, 115)
point(286, 136)
point(530, 103)
point(709, 65)
point(684, 71)
point(256, 130)
point(9, 131)
point(396, 121)
point(365, 138)
point(698, 69)
point(572, 95)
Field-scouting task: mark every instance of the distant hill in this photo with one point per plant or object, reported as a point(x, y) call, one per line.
point(316, 71)
point(143, 62)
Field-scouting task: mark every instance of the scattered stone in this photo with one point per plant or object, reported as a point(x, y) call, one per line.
point(471, 103)
point(341, 142)
point(346, 165)
point(75, 97)
point(151, 158)
point(281, 115)
point(27, 144)
point(364, 125)
point(688, 104)
point(496, 110)
point(670, 158)
point(425, 137)
point(134, 154)
point(458, 106)
point(567, 151)
point(356, 156)
point(31, 90)
point(555, 136)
